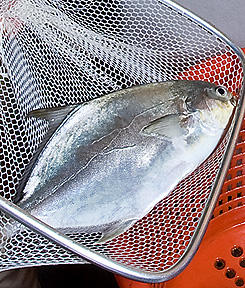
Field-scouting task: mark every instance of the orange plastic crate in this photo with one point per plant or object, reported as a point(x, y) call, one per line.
point(220, 259)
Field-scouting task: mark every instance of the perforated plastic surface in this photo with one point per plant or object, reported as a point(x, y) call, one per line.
point(58, 52)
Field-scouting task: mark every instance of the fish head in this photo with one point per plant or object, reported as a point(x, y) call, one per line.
point(214, 104)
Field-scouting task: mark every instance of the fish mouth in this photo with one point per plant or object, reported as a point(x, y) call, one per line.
point(233, 101)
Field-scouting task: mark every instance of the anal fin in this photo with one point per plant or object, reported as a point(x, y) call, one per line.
point(116, 229)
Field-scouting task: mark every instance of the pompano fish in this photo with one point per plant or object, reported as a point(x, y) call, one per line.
point(113, 158)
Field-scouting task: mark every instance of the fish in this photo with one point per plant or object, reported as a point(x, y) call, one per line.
point(107, 162)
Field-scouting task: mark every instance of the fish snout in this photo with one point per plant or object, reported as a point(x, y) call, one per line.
point(233, 101)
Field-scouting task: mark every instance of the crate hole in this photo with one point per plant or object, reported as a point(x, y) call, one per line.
point(239, 151)
point(230, 273)
point(239, 282)
point(229, 197)
point(219, 264)
point(237, 251)
point(239, 139)
point(239, 162)
point(239, 173)
point(239, 184)
point(229, 187)
point(242, 263)
point(228, 177)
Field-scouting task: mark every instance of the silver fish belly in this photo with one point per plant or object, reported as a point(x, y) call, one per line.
point(113, 158)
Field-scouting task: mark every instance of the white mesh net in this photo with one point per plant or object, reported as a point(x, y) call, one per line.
point(57, 52)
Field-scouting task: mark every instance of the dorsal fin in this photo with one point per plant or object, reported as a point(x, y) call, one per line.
point(54, 116)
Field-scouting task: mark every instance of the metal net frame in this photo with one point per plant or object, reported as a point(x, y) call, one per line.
point(60, 52)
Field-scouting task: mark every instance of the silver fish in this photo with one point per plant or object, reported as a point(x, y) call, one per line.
point(113, 158)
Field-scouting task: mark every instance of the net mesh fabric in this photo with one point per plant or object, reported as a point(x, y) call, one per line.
point(60, 52)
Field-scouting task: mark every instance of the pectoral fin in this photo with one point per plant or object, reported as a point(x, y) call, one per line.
point(168, 126)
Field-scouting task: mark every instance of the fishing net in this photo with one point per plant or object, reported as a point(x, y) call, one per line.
point(62, 52)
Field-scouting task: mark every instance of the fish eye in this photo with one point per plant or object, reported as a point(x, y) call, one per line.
point(221, 91)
